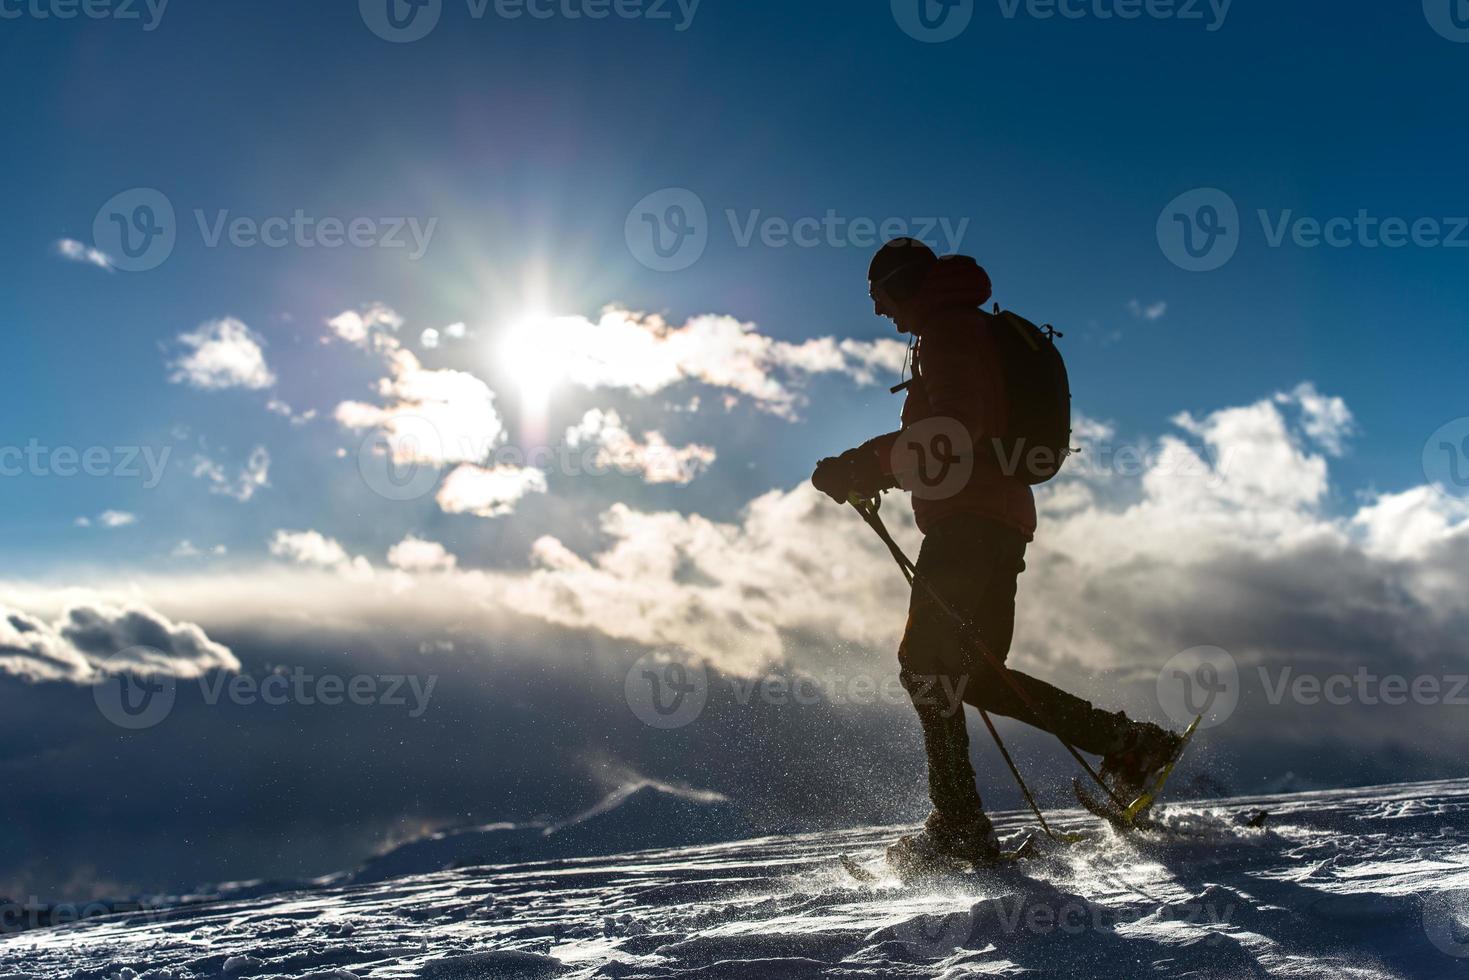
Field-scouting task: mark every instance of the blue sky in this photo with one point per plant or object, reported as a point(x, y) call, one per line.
point(524, 150)
point(1058, 141)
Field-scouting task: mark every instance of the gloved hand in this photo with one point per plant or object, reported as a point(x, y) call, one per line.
point(854, 471)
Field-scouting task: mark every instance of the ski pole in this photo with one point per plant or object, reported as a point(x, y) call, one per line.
point(869, 514)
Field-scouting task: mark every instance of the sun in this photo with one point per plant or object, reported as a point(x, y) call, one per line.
point(535, 366)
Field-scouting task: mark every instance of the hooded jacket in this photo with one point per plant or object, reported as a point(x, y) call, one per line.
point(957, 375)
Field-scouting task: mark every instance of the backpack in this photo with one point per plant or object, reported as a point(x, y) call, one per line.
point(1038, 391)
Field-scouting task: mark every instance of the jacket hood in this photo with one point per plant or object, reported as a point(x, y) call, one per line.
point(955, 282)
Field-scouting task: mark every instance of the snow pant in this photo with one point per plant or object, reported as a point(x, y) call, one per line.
point(973, 564)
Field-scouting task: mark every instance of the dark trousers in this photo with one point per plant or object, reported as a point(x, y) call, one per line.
point(973, 564)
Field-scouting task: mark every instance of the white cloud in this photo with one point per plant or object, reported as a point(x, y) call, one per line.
point(432, 338)
point(110, 519)
point(90, 639)
point(429, 416)
point(372, 328)
point(487, 492)
point(282, 408)
point(70, 248)
point(253, 476)
point(644, 354)
point(1408, 526)
point(187, 549)
point(221, 354)
point(1152, 311)
point(414, 554)
point(1327, 420)
point(315, 549)
point(654, 458)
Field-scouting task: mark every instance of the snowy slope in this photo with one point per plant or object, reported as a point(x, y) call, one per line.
point(1355, 883)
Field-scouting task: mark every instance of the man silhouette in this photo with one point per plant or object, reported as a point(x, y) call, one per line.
point(975, 536)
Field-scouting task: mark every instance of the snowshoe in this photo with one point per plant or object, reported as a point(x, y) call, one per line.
point(1136, 775)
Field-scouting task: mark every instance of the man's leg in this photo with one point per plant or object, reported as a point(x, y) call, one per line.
point(982, 561)
point(933, 669)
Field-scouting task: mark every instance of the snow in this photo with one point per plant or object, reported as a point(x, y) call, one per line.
point(1363, 883)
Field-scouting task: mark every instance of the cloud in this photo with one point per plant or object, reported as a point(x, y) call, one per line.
point(643, 354)
point(253, 476)
point(221, 354)
point(315, 549)
point(371, 328)
point(109, 519)
point(487, 492)
point(70, 248)
point(282, 408)
point(1327, 421)
point(653, 458)
point(428, 416)
point(431, 338)
point(187, 549)
point(89, 640)
point(1152, 311)
point(1229, 531)
point(417, 555)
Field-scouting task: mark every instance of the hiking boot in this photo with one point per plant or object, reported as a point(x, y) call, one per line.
point(947, 844)
point(1135, 765)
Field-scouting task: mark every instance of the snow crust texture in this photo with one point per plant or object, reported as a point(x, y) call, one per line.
point(1361, 884)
